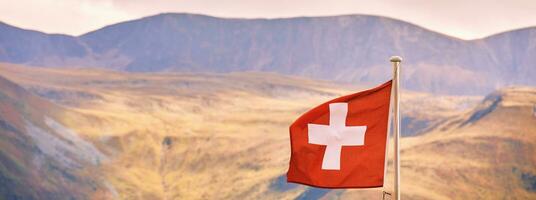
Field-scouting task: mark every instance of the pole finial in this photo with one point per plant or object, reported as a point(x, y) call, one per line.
point(396, 59)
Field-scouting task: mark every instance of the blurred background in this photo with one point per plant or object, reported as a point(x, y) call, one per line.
point(113, 99)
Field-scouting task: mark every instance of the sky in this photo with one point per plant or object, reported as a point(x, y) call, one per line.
point(459, 18)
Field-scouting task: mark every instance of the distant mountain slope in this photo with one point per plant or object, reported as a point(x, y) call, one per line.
point(514, 52)
point(26, 46)
point(352, 48)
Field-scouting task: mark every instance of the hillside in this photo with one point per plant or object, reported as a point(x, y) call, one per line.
point(181, 135)
point(350, 48)
point(225, 136)
point(487, 153)
point(40, 157)
point(27, 46)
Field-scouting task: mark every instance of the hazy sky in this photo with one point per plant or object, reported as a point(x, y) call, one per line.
point(466, 19)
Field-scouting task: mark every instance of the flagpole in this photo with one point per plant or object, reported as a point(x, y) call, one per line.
point(396, 60)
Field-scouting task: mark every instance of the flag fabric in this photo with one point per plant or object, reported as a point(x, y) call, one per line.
point(342, 143)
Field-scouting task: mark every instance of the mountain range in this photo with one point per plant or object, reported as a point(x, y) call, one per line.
point(350, 48)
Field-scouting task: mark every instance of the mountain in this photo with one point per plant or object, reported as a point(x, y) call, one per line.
point(350, 48)
point(225, 136)
point(26, 46)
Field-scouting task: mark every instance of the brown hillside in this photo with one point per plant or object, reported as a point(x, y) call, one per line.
point(225, 136)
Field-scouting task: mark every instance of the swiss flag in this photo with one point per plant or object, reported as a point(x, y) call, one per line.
point(342, 143)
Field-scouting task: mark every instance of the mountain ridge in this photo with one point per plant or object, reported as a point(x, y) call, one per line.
point(278, 18)
point(348, 48)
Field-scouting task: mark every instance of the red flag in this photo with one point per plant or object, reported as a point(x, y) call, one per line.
point(342, 143)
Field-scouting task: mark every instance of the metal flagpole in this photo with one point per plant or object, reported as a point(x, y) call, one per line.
point(396, 60)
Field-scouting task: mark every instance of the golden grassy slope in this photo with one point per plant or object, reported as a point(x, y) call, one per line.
point(480, 155)
point(206, 136)
point(183, 135)
point(39, 158)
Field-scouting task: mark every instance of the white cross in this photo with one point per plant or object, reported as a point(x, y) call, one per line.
point(335, 135)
